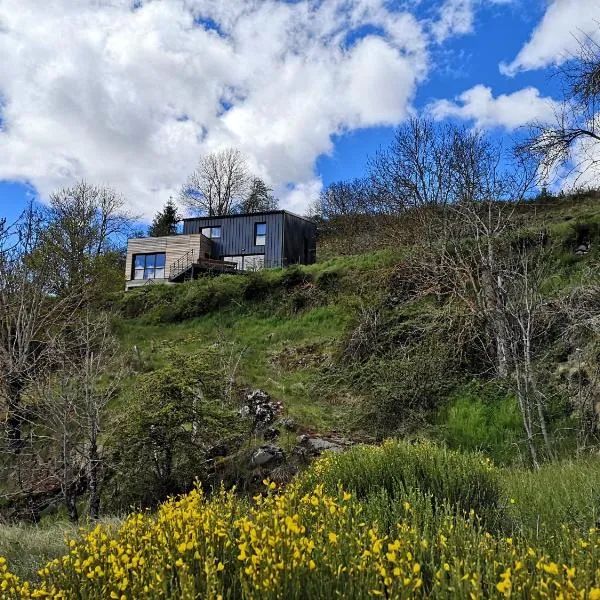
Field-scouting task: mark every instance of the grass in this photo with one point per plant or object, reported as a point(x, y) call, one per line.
point(266, 345)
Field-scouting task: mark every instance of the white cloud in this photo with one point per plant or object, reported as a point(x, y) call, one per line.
point(565, 24)
point(510, 111)
point(101, 90)
point(457, 17)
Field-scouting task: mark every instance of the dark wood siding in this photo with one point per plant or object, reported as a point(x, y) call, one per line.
point(237, 235)
point(300, 240)
point(290, 239)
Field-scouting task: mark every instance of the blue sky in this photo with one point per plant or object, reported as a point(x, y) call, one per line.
point(132, 94)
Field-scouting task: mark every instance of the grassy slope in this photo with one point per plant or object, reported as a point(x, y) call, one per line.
point(281, 348)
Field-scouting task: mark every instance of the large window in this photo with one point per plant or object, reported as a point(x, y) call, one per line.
point(149, 266)
point(250, 262)
point(212, 232)
point(260, 234)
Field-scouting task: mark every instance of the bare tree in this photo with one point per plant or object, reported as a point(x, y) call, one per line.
point(218, 184)
point(574, 135)
point(414, 170)
point(71, 409)
point(29, 316)
point(500, 281)
point(83, 223)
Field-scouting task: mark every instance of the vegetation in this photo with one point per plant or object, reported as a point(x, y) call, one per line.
point(165, 221)
point(465, 332)
point(317, 540)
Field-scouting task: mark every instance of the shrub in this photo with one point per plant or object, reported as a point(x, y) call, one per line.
point(329, 280)
point(294, 276)
point(463, 480)
point(306, 546)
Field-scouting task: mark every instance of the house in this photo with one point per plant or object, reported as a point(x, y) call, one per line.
point(225, 244)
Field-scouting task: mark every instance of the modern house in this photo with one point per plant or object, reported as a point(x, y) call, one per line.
point(226, 244)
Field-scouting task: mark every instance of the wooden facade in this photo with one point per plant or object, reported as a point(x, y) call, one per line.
point(175, 248)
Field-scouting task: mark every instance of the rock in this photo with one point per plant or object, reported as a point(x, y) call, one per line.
point(261, 408)
point(316, 444)
point(268, 454)
point(271, 433)
point(289, 424)
point(320, 445)
point(216, 451)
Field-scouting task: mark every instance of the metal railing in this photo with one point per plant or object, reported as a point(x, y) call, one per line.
point(181, 265)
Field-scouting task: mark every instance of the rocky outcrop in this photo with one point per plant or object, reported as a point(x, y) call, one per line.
point(261, 409)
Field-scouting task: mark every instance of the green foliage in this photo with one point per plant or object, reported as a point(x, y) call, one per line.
point(463, 480)
point(563, 494)
point(481, 417)
point(172, 417)
point(166, 221)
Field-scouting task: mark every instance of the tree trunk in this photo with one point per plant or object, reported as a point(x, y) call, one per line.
point(71, 502)
point(94, 484)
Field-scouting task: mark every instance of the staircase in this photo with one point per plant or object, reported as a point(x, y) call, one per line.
point(182, 265)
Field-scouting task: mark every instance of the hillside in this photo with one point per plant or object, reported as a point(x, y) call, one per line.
point(347, 346)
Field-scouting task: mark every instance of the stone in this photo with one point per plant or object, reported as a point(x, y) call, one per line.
point(321, 445)
point(289, 424)
point(261, 408)
point(268, 454)
point(271, 433)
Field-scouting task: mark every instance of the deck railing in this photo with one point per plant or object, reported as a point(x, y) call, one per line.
point(181, 265)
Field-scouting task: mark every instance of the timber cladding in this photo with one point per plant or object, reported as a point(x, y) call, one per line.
point(174, 247)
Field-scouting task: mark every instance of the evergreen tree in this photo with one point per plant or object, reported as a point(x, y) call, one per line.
point(259, 199)
point(165, 222)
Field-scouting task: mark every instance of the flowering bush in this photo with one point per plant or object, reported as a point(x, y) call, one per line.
point(293, 544)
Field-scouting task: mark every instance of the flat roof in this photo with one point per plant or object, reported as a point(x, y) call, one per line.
point(252, 214)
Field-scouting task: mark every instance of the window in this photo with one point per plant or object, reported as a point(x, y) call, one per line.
point(212, 232)
point(254, 262)
point(260, 234)
point(250, 262)
point(149, 266)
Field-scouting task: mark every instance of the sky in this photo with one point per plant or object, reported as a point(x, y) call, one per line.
point(131, 93)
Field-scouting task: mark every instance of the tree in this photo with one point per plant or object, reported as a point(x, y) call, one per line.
point(70, 413)
point(30, 316)
point(573, 137)
point(415, 170)
point(165, 222)
point(218, 184)
point(83, 223)
point(175, 415)
point(259, 199)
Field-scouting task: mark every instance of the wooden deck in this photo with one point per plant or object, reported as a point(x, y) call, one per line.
point(204, 265)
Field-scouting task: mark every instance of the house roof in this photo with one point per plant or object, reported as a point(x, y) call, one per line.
point(253, 214)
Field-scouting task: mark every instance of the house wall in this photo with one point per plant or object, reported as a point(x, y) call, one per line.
point(174, 246)
point(237, 235)
point(300, 240)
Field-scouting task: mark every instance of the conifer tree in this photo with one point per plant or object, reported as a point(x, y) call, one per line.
point(165, 222)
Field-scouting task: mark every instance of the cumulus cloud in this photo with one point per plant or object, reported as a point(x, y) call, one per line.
point(564, 25)
point(132, 93)
point(509, 111)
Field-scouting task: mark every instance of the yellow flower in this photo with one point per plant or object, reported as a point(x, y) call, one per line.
point(333, 538)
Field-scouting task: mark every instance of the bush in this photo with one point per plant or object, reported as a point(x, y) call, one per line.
point(329, 280)
point(294, 276)
point(464, 481)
